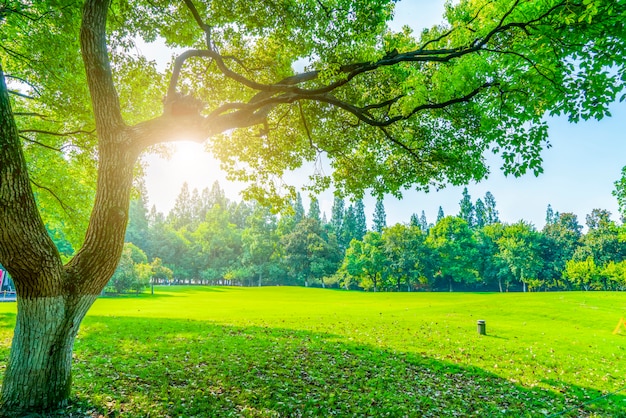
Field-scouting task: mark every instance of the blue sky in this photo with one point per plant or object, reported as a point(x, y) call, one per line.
point(579, 169)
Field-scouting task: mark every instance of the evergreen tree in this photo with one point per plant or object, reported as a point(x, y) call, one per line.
point(216, 196)
point(314, 210)
point(423, 224)
point(196, 208)
point(298, 209)
point(155, 217)
point(348, 228)
point(137, 229)
point(360, 226)
point(380, 217)
point(239, 212)
point(337, 214)
point(415, 220)
point(467, 209)
point(440, 214)
point(550, 218)
point(480, 214)
point(205, 199)
point(491, 214)
point(180, 215)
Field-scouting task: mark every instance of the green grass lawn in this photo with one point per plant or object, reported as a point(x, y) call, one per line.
point(281, 351)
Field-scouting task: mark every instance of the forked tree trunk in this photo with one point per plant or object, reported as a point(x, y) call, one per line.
point(38, 375)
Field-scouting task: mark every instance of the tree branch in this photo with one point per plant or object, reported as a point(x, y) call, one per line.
point(65, 208)
point(35, 89)
point(32, 141)
point(104, 98)
point(40, 131)
point(17, 93)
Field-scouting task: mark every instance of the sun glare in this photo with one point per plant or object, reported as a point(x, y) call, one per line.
point(190, 164)
point(191, 158)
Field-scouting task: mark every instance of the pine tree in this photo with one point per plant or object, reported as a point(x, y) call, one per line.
point(137, 229)
point(380, 217)
point(550, 218)
point(360, 226)
point(298, 209)
point(196, 208)
point(423, 223)
point(481, 215)
point(336, 217)
point(314, 210)
point(217, 196)
point(348, 228)
point(415, 220)
point(440, 214)
point(467, 209)
point(180, 215)
point(491, 214)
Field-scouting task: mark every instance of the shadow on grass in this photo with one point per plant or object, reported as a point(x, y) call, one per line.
point(156, 367)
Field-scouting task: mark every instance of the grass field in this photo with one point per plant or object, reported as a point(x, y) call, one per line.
point(279, 351)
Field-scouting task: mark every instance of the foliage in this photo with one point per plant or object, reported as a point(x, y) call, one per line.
point(262, 248)
point(133, 271)
point(380, 217)
point(454, 250)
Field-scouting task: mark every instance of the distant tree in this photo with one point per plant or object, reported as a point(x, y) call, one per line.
point(132, 272)
point(414, 220)
point(160, 273)
point(563, 236)
point(620, 193)
point(440, 214)
point(550, 218)
point(493, 270)
point(348, 230)
point(360, 221)
point(467, 211)
point(219, 242)
point(307, 254)
point(454, 250)
point(480, 213)
point(598, 219)
point(239, 213)
point(424, 223)
point(520, 248)
point(380, 217)
point(216, 196)
point(403, 248)
point(603, 242)
point(615, 274)
point(337, 214)
point(314, 210)
point(181, 214)
point(491, 213)
point(583, 274)
point(366, 261)
point(260, 241)
point(137, 230)
point(298, 209)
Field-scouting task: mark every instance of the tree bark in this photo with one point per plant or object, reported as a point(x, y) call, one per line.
point(38, 375)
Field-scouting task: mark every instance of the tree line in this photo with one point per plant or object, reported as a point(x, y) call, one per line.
point(209, 239)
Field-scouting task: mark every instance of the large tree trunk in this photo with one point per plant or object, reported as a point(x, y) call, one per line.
point(38, 375)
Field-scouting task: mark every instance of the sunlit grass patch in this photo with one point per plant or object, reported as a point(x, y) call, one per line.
point(312, 352)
